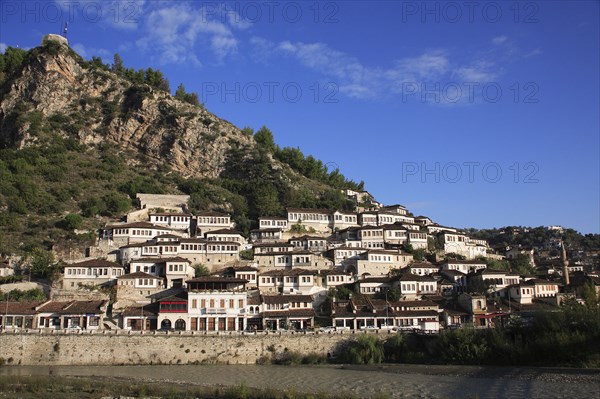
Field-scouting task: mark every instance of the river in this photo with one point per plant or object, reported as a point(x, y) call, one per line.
point(398, 381)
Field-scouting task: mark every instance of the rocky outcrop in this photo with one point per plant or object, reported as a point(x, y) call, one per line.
point(98, 106)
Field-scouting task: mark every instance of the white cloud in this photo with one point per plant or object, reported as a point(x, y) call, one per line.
point(533, 53)
point(3, 47)
point(499, 39)
point(89, 52)
point(358, 80)
point(476, 73)
point(353, 78)
point(176, 31)
point(429, 65)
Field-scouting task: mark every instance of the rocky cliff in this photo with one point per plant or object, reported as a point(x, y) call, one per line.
point(98, 106)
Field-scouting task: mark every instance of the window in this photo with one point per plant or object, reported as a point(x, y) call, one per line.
point(194, 303)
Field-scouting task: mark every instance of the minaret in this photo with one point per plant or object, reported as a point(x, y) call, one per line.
point(565, 262)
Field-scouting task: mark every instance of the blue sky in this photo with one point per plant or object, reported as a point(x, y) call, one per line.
point(477, 114)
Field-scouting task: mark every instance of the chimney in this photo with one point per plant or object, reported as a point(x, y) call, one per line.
point(565, 262)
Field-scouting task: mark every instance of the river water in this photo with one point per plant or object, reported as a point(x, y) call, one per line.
point(399, 381)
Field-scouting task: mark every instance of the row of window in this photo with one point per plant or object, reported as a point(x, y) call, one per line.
point(159, 250)
point(371, 233)
point(221, 302)
point(176, 268)
point(336, 279)
point(345, 219)
point(221, 248)
point(94, 272)
point(183, 219)
point(146, 282)
point(192, 247)
point(223, 238)
point(308, 216)
point(146, 269)
point(291, 305)
point(380, 258)
point(273, 223)
point(135, 232)
point(214, 220)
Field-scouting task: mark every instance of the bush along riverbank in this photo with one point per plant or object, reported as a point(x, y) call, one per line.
point(567, 337)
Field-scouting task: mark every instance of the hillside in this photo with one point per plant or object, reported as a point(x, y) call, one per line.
point(81, 138)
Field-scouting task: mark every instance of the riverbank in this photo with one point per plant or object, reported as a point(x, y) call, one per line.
point(347, 381)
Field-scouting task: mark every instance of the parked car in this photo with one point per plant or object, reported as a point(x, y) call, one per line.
point(369, 328)
point(327, 329)
point(73, 328)
point(388, 327)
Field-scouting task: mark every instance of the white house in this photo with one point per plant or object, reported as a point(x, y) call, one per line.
point(91, 272)
point(176, 221)
point(320, 220)
point(273, 222)
point(210, 221)
point(217, 304)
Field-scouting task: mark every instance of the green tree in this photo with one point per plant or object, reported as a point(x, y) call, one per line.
point(264, 138)
point(12, 59)
point(395, 348)
point(340, 293)
point(34, 294)
point(522, 265)
point(248, 131)
point(266, 200)
point(42, 263)
point(180, 92)
point(98, 63)
point(200, 270)
point(589, 295)
point(419, 254)
point(367, 349)
point(72, 221)
point(246, 254)
point(118, 67)
point(182, 95)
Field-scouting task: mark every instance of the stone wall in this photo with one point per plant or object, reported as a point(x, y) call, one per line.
point(117, 349)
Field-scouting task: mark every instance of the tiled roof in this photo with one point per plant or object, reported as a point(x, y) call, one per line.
point(414, 277)
point(217, 279)
point(288, 272)
point(179, 297)
point(137, 275)
point(146, 310)
point(224, 231)
point(136, 225)
point(253, 298)
point(158, 260)
point(273, 244)
point(19, 308)
point(94, 263)
point(309, 210)
point(212, 213)
point(412, 304)
point(281, 299)
point(74, 307)
point(170, 214)
point(290, 313)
